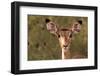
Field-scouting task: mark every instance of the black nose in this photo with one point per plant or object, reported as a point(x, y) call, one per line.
point(65, 45)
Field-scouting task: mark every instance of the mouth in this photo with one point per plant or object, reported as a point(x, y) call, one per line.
point(65, 47)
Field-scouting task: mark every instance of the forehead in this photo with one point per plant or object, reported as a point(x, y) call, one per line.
point(64, 32)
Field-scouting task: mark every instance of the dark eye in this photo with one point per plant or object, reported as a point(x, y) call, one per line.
point(58, 36)
point(70, 35)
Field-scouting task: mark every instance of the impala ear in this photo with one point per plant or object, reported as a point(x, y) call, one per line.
point(51, 26)
point(76, 27)
point(47, 20)
point(80, 22)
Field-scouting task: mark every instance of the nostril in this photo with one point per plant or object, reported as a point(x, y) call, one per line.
point(65, 45)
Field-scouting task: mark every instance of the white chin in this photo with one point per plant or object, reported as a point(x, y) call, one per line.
point(65, 48)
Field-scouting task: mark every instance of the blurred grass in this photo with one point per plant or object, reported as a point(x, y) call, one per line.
point(44, 46)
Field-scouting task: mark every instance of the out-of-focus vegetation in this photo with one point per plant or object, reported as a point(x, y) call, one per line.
point(44, 46)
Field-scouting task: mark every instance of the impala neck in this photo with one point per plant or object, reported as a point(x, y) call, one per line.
point(66, 53)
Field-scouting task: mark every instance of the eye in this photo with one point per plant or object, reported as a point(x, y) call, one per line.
point(70, 35)
point(58, 36)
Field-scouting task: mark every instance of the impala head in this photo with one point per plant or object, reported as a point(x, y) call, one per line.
point(63, 34)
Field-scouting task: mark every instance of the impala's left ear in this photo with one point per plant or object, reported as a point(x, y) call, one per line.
point(76, 27)
point(51, 26)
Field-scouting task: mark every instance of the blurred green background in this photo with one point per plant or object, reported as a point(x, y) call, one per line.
point(44, 46)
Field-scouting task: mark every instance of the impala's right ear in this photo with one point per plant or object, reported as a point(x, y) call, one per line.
point(51, 26)
point(76, 27)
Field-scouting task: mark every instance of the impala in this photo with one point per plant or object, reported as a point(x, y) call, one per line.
point(64, 35)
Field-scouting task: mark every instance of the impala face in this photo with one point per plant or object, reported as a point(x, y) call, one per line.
point(64, 34)
point(65, 37)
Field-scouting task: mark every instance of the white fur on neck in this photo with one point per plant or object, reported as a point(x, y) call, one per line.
point(63, 51)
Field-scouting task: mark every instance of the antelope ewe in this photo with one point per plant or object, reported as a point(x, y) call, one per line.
point(64, 35)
